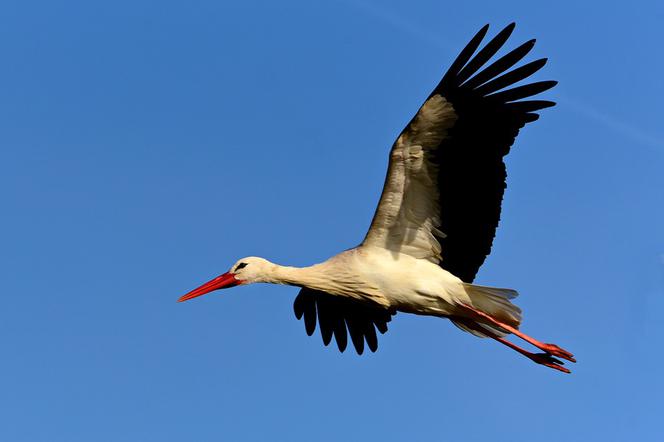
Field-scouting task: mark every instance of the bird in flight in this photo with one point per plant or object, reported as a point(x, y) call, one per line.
point(436, 219)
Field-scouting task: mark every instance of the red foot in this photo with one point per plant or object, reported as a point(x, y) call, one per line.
point(548, 361)
point(554, 350)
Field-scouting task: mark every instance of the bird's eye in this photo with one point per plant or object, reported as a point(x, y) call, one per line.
point(240, 266)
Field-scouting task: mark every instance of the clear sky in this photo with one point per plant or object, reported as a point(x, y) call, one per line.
point(147, 145)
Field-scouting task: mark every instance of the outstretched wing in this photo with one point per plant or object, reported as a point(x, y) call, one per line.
point(446, 177)
point(337, 314)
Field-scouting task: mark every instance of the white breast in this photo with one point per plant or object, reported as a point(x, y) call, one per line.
point(410, 284)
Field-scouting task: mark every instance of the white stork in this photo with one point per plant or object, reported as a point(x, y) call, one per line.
point(436, 218)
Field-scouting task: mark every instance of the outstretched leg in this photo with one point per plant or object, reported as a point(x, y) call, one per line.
point(551, 349)
point(540, 358)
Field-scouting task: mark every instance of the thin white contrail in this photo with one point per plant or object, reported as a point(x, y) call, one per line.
point(586, 110)
point(398, 22)
point(615, 124)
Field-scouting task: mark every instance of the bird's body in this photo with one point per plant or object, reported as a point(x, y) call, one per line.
point(436, 219)
point(434, 291)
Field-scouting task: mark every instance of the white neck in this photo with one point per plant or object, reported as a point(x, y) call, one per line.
point(311, 276)
point(336, 276)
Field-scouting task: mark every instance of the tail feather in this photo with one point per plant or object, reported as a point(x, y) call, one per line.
point(494, 291)
point(495, 302)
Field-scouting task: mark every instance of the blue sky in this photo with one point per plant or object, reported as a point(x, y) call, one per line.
point(147, 145)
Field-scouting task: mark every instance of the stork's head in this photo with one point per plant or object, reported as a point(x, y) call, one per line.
point(245, 271)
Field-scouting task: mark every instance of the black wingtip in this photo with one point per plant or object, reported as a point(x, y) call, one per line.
point(530, 105)
point(463, 57)
point(511, 77)
point(342, 340)
point(506, 31)
point(310, 323)
point(298, 308)
point(529, 117)
point(524, 91)
point(485, 54)
point(500, 66)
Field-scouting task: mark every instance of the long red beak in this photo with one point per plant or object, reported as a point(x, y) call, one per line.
point(220, 282)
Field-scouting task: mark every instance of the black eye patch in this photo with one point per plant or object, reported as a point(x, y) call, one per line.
point(240, 266)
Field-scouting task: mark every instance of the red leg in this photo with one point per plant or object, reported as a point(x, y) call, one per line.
point(551, 349)
point(540, 358)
